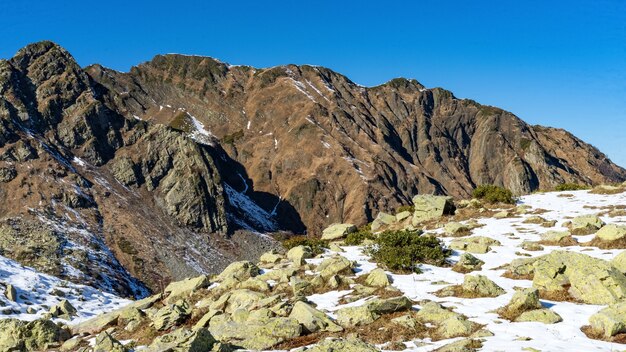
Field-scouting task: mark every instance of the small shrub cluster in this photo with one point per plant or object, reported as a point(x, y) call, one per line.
point(363, 233)
point(494, 194)
point(316, 244)
point(409, 208)
point(570, 187)
point(402, 251)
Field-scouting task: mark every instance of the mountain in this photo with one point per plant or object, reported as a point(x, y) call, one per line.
point(125, 181)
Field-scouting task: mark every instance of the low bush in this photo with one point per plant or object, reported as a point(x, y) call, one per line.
point(570, 187)
point(402, 251)
point(494, 194)
point(316, 244)
point(362, 234)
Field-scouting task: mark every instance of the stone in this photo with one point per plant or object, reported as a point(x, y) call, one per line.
point(406, 321)
point(371, 311)
point(481, 286)
point(270, 257)
point(382, 220)
point(428, 207)
point(502, 214)
point(474, 244)
point(299, 253)
point(585, 225)
point(106, 343)
point(342, 345)
point(455, 326)
point(590, 280)
point(531, 246)
point(433, 312)
point(206, 318)
point(619, 262)
point(467, 263)
point(456, 229)
point(337, 231)
point(521, 267)
point(300, 287)
point(610, 321)
point(240, 271)
point(611, 232)
point(10, 293)
point(313, 320)
point(71, 344)
point(170, 315)
point(241, 299)
point(18, 335)
point(183, 340)
point(464, 345)
point(63, 309)
point(544, 315)
point(377, 278)
point(403, 215)
point(182, 289)
point(523, 300)
point(555, 236)
point(336, 265)
point(255, 335)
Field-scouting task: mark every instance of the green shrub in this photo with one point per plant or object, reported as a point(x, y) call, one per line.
point(362, 234)
point(316, 244)
point(409, 208)
point(570, 187)
point(494, 194)
point(402, 251)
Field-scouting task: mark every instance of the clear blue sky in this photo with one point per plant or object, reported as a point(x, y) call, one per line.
point(555, 63)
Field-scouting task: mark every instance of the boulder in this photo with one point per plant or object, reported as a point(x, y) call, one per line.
point(382, 219)
point(106, 343)
point(590, 280)
point(481, 286)
point(467, 263)
point(610, 321)
point(531, 246)
point(313, 320)
point(240, 271)
point(182, 289)
point(619, 262)
point(100, 322)
point(456, 229)
point(371, 311)
point(523, 300)
point(611, 232)
point(300, 287)
point(455, 326)
point(433, 312)
point(543, 315)
point(337, 231)
point(585, 225)
point(403, 215)
point(63, 309)
point(464, 345)
point(406, 321)
point(271, 257)
point(555, 236)
point(428, 207)
point(18, 335)
point(335, 265)
point(377, 278)
point(299, 253)
point(343, 345)
point(10, 293)
point(170, 315)
point(179, 340)
point(521, 267)
point(474, 244)
point(254, 335)
point(240, 299)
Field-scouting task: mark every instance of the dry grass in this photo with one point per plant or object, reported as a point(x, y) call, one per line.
point(564, 242)
point(510, 275)
point(602, 244)
point(558, 296)
point(595, 335)
point(565, 195)
point(607, 191)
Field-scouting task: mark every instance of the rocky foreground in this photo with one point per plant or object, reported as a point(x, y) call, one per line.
point(544, 275)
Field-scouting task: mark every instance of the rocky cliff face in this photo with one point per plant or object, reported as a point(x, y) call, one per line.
point(334, 151)
point(150, 174)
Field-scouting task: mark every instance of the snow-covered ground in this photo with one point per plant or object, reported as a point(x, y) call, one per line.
point(508, 336)
point(40, 292)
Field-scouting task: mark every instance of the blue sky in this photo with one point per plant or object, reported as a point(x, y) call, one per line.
point(555, 63)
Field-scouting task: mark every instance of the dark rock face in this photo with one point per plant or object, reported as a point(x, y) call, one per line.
point(151, 174)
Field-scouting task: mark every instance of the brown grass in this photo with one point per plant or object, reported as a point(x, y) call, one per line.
point(595, 335)
point(602, 190)
point(510, 275)
point(564, 242)
point(558, 296)
point(565, 195)
point(602, 244)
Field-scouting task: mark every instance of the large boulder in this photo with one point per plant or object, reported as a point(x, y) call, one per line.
point(610, 321)
point(543, 315)
point(371, 311)
point(240, 271)
point(377, 278)
point(456, 229)
point(63, 309)
point(382, 220)
point(183, 340)
point(106, 343)
point(523, 300)
point(619, 262)
point(299, 253)
point(585, 225)
point(435, 313)
point(467, 263)
point(481, 286)
point(254, 334)
point(181, 289)
point(337, 231)
point(170, 315)
point(611, 232)
point(343, 345)
point(38, 335)
point(313, 320)
point(456, 326)
point(336, 265)
point(555, 236)
point(474, 244)
point(590, 280)
point(428, 207)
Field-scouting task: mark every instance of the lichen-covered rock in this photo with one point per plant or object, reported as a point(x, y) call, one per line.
point(456, 229)
point(481, 285)
point(555, 236)
point(523, 300)
point(428, 207)
point(180, 289)
point(254, 335)
point(240, 271)
point(464, 345)
point(433, 312)
point(337, 231)
point(383, 219)
point(531, 246)
point(271, 257)
point(299, 253)
point(585, 225)
point(336, 265)
point(467, 263)
point(313, 320)
point(474, 244)
point(183, 340)
point(63, 309)
point(377, 278)
point(611, 232)
point(610, 321)
point(18, 335)
point(619, 262)
point(455, 326)
point(106, 343)
point(544, 315)
point(170, 315)
point(590, 280)
point(10, 293)
point(403, 215)
point(343, 345)
point(371, 311)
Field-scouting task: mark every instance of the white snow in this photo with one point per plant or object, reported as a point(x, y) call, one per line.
point(255, 217)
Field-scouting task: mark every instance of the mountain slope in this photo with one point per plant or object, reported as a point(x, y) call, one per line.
point(339, 152)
